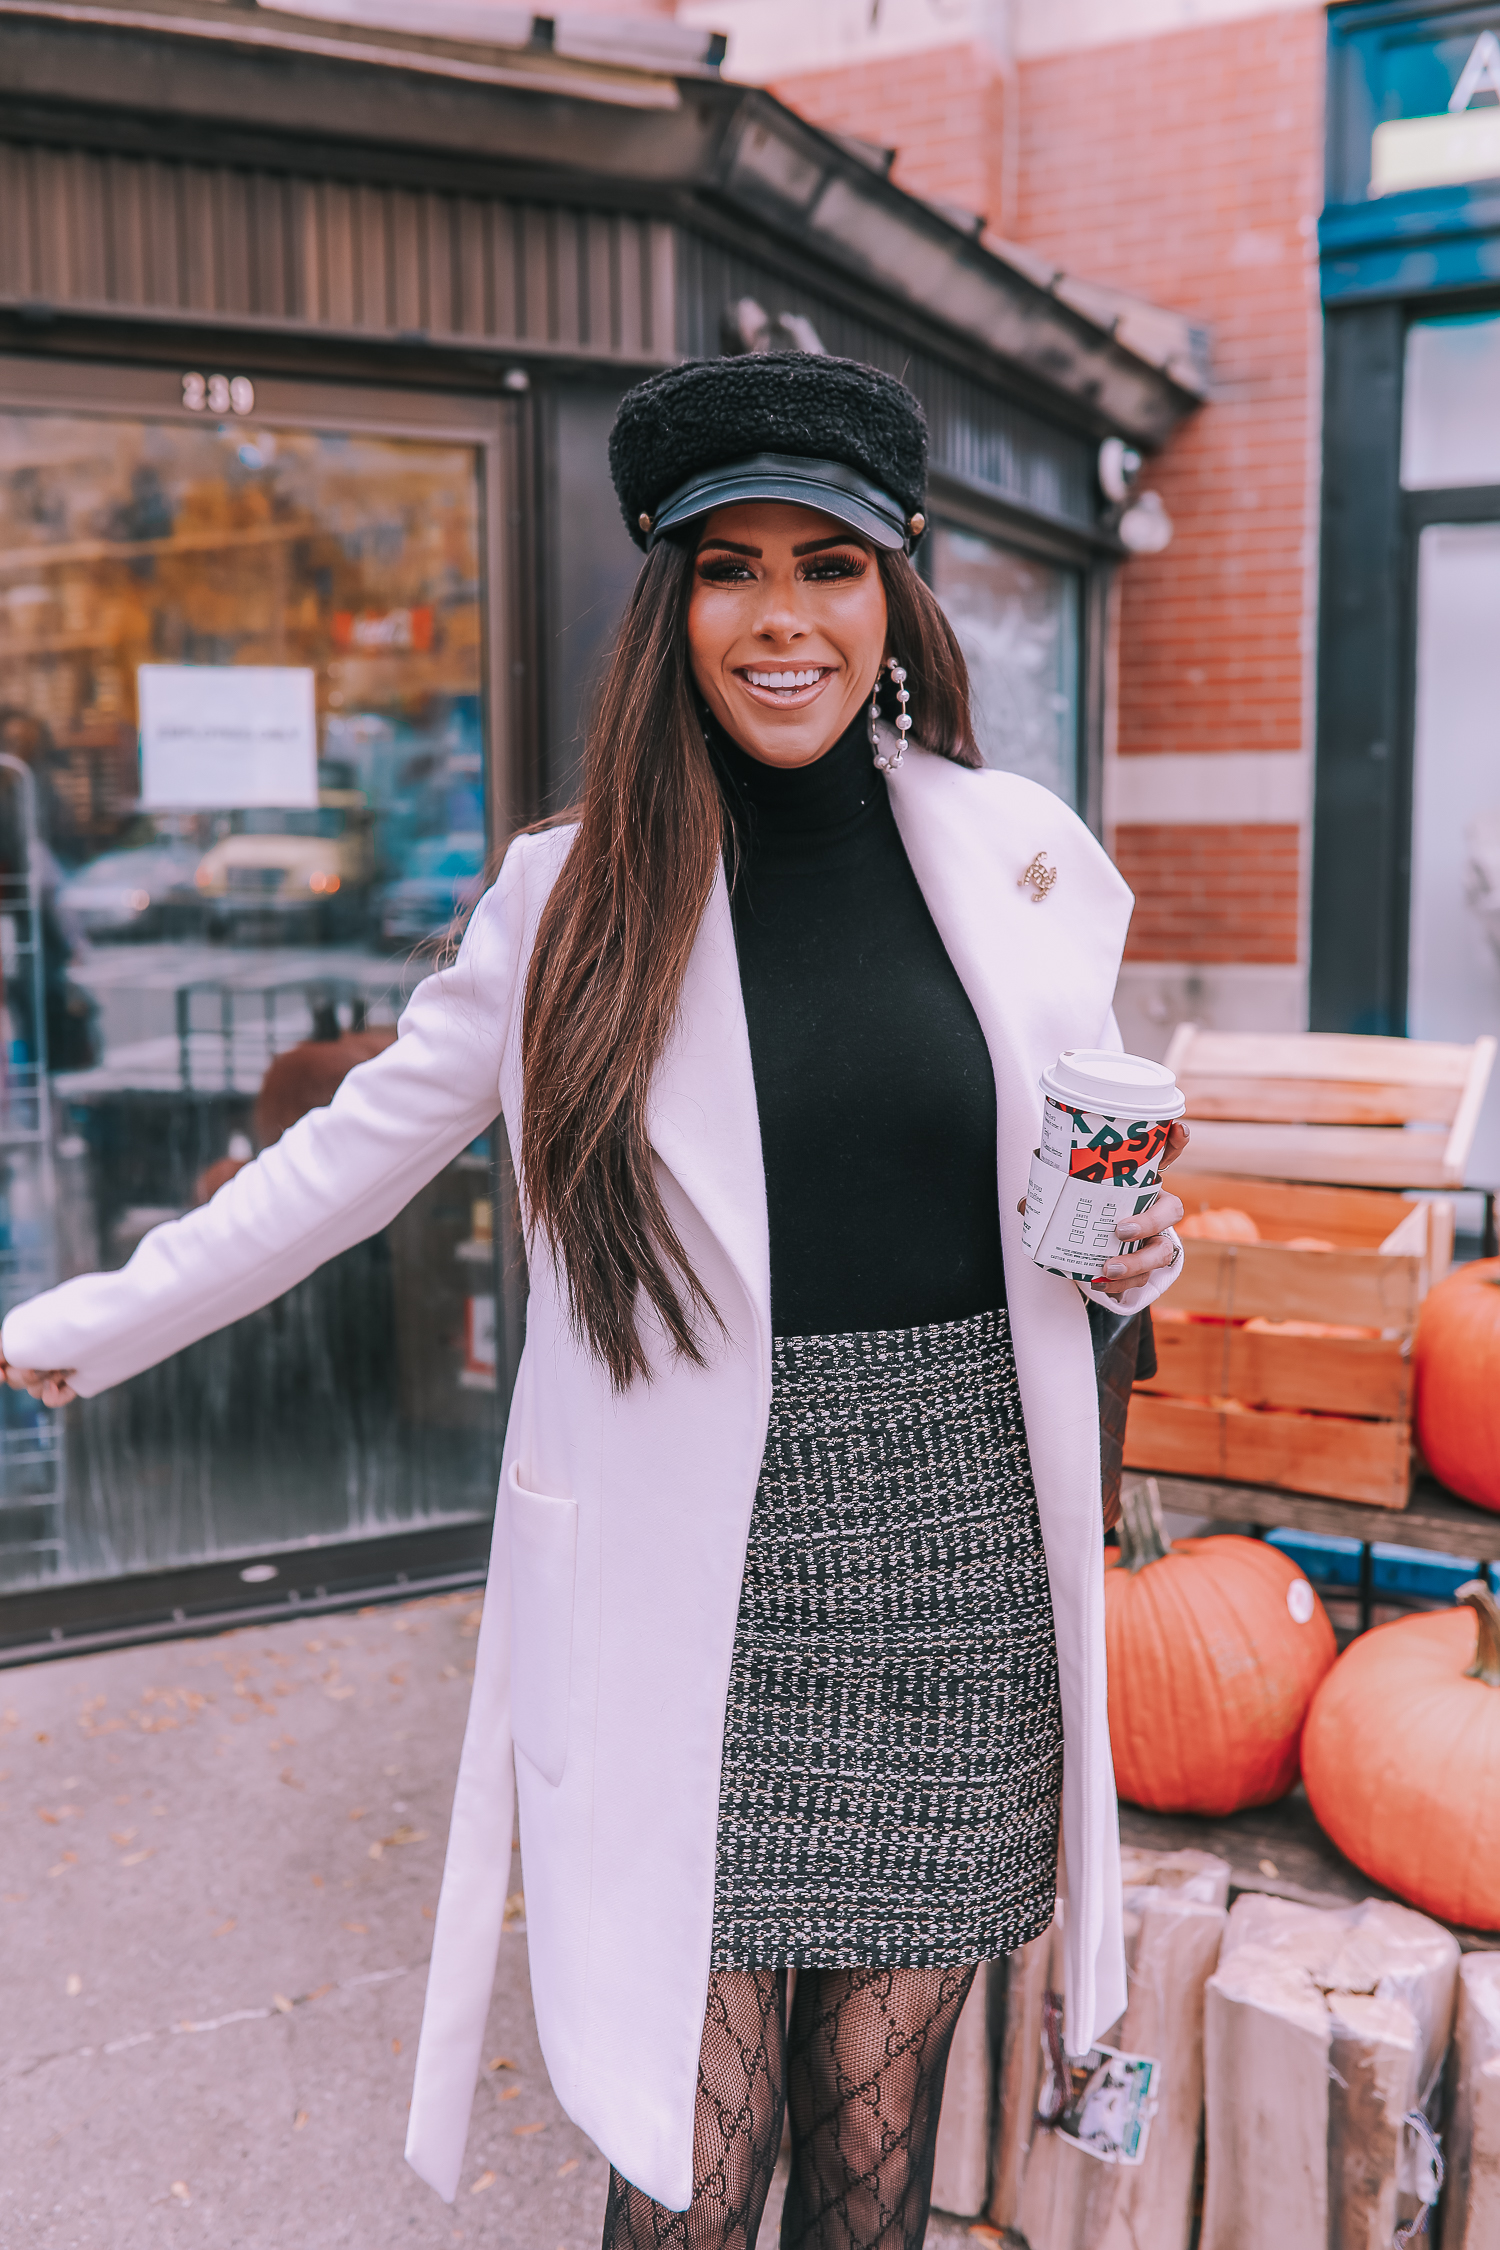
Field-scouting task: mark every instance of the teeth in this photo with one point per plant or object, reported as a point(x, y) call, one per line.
point(784, 679)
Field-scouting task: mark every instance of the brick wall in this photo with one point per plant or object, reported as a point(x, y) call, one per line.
point(1210, 893)
point(943, 112)
point(1187, 168)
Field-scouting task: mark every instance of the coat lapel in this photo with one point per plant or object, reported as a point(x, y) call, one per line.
point(1040, 976)
point(1040, 973)
point(702, 1115)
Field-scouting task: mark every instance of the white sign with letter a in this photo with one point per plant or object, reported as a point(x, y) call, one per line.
point(1443, 151)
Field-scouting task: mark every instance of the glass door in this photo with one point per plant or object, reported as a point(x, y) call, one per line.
point(1453, 975)
point(245, 792)
point(1450, 469)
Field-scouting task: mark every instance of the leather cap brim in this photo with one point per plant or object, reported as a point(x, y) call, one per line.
point(828, 486)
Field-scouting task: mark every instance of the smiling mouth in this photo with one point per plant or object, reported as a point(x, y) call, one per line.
point(787, 687)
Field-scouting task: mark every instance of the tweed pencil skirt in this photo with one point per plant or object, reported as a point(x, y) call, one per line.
point(892, 1767)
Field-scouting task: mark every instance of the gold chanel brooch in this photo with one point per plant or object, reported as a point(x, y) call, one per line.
point(1040, 875)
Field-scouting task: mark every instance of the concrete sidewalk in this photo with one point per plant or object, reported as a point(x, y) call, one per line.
point(219, 1861)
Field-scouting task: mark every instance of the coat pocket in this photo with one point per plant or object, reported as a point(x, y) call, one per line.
point(543, 1549)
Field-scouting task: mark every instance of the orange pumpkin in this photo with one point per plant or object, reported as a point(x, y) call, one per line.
point(1401, 1758)
point(1457, 1367)
point(1215, 1647)
point(1219, 1223)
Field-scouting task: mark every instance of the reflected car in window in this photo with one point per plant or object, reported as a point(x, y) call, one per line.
point(277, 869)
point(444, 877)
point(149, 891)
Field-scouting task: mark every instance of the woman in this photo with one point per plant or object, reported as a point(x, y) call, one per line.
point(791, 1614)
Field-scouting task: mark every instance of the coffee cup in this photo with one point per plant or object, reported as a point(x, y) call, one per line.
point(1105, 1122)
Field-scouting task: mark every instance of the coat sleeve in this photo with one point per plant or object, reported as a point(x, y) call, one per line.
point(337, 1176)
point(1158, 1283)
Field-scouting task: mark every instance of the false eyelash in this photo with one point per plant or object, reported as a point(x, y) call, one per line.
point(837, 566)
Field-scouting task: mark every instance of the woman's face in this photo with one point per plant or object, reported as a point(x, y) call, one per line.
point(786, 627)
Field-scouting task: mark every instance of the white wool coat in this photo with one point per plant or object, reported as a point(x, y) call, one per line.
point(603, 1661)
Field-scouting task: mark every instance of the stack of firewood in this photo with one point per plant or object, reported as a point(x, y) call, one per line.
point(1325, 2031)
point(1316, 2067)
point(1471, 2207)
point(1041, 2186)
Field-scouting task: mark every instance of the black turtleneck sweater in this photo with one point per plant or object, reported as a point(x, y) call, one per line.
point(873, 1081)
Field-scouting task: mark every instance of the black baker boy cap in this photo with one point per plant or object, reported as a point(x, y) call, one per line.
point(828, 433)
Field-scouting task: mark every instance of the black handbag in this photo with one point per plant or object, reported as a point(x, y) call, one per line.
point(1124, 1354)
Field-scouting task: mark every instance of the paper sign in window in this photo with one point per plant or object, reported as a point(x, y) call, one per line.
point(222, 737)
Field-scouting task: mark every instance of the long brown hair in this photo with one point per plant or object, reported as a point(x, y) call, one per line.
point(612, 949)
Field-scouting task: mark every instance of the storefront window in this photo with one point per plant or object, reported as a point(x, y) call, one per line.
point(1017, 622)
point(1453, 987)
point(242, 798)
point(1450, 432)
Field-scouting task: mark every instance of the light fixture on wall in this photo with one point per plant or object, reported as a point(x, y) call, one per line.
point(1146, 528)
point(1142, 523)
point(1119, 466)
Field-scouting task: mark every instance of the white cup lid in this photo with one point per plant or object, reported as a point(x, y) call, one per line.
point(1130, 1086)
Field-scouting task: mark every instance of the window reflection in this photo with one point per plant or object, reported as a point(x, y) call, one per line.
point(1450, 434)
point(196, 952)
point(1454, 959)
point(1017, 622)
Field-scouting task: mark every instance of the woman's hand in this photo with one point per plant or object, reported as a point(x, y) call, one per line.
point(1131, 1268)
point(50, 1385)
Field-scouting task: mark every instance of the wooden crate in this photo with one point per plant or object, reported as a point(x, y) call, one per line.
point(1311, 1105)
point(1250, 1403)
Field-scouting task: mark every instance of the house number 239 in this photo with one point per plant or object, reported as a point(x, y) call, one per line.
point(218, 394)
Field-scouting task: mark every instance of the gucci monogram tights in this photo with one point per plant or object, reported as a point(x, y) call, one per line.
point(860, 2067)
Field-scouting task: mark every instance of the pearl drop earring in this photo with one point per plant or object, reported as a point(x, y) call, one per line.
point(888, 760)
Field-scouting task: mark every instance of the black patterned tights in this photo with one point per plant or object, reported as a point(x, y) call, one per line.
point(861, 2070)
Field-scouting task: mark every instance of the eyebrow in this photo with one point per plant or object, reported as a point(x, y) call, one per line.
point(808, 546)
